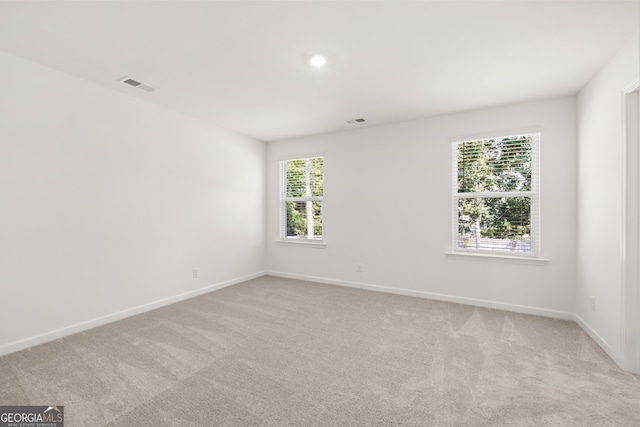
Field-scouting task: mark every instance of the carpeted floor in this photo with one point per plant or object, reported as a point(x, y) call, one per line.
point(278, 352)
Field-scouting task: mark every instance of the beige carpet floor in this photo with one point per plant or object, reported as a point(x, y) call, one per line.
point(281, 352)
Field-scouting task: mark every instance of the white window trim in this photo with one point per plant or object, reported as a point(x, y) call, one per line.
point(318, 244)
point(502, 256)
point(492, 257)
point(283, 240)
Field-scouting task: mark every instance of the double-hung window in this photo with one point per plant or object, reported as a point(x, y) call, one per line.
point(496, 195)
point(301, 196)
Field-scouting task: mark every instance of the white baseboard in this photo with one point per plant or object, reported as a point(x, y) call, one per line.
point(556, 314)
point(89, 324)
point(598, 339)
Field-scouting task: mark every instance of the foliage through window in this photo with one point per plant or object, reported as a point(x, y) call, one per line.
point(301, 195)
point(496, 195)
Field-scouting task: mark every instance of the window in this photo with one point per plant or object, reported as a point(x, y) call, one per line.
point(496, 195)
point(301, 195)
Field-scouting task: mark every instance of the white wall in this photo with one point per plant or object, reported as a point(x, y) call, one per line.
point(109, 202)
point(599, 198)
point(388, 206)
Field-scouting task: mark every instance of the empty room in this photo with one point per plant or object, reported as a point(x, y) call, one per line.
point(319, 213)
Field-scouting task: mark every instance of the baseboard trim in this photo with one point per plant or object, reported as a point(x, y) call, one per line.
point(598, 339)
point(99, 321)
point(93, 323)
point(556, 314)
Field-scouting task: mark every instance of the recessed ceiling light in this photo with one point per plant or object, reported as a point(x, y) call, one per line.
point(318, 61)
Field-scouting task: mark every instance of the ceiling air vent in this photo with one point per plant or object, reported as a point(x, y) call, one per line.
point(132, 82)
point(135, 83)
point(360, 120)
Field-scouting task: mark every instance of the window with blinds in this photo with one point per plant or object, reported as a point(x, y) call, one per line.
point(496, 195)
point(301, 195)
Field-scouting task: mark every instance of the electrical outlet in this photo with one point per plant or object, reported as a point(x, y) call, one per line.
point(593, 304)
point(359, 268)
point(196, 273)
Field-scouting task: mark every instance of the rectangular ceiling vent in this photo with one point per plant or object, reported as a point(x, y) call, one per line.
point(360, 120)
point(135, 83)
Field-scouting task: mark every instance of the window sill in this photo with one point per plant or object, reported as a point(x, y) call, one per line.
point(302, 243)
point(496, 258)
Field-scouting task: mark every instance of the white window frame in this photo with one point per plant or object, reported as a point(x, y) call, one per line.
point(305, 241)
point(534, 195)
